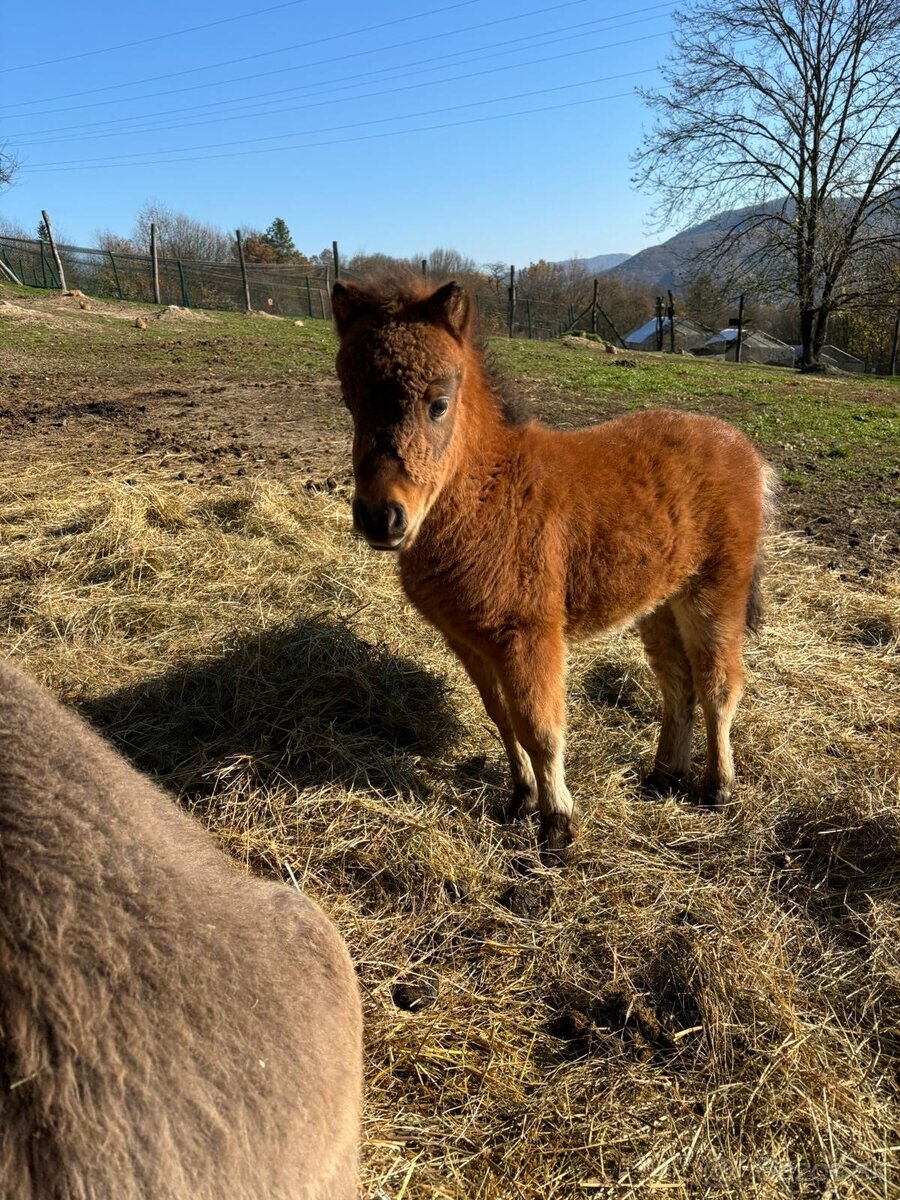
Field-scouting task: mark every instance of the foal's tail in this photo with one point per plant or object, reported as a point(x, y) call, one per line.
point(755, 604)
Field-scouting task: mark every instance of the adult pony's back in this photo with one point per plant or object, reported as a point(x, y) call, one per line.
point(513, 539)
point(170, 1029)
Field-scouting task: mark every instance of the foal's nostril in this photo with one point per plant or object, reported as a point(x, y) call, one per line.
point(396, 519)
point(380, 522)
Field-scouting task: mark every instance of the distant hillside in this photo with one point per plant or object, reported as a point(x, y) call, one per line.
point(666, 264)
point(597, 264)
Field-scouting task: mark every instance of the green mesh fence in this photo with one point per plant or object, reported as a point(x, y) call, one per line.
point(285, 290)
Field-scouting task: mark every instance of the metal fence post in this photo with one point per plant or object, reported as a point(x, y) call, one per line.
point(308, 297)
point(116, 275)
point(740, 329)
point(512, 301)
point(185, 299)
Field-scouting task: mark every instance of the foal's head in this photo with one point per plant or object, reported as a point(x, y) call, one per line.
point(401, 363)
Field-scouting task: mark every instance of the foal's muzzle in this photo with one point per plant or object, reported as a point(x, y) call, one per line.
point(384, 525)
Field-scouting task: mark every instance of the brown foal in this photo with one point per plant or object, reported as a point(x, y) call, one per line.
point(513, 539)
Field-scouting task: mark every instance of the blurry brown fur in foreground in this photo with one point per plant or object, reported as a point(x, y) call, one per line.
point(171, 1029)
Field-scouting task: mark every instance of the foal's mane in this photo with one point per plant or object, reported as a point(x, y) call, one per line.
point(391, 295)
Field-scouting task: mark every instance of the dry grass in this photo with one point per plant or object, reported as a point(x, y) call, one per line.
point(702, 1006)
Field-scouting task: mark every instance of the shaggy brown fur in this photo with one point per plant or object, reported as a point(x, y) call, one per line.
point(169, 1028)
point(513, 539)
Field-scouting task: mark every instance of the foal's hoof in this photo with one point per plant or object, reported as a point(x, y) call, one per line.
point(522, 803)
point(714, 795)
point(664, 783)
point(555, 839)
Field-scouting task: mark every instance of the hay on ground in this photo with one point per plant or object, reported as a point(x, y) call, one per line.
point(702, 1005)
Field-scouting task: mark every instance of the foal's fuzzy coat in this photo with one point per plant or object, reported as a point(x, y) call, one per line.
point(169, 1028)
point(514, 539)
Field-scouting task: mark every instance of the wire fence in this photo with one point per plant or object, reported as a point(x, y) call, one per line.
point(286, 290)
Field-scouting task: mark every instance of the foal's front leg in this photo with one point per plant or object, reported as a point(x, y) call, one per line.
point(525, 792)
point(531, 669)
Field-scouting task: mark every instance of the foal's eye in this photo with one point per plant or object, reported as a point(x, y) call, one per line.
point(437, 408)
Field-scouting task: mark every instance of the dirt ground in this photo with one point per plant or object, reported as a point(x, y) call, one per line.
point(201, 431)
point(216, 432)
point(204, 425)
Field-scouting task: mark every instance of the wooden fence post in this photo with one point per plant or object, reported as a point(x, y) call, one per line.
point(528, 315)
point(53, 250)
point(240, 246)
point(659, 323)
point(425, 267)
point(895, 343)
point(512, 301)
point(10, 273)
point(337, 261)
point(594, 307)
point(670, 313)
point(154, 263)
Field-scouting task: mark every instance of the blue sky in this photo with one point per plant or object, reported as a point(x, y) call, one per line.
point(500, 129)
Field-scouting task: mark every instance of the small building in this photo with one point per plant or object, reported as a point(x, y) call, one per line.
point(832, 356)
point(688, 334)
point(756, 347)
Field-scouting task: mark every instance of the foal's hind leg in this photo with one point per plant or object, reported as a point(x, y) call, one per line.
point(667, 656)
point(525, 792)
point(711, 621)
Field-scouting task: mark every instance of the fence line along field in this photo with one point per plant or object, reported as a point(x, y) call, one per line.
point(703, 1004)
point(275, 289)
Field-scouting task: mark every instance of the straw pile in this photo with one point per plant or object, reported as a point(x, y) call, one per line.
point(703, 1005)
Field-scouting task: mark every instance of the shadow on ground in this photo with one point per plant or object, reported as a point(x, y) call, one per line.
point(311, 704)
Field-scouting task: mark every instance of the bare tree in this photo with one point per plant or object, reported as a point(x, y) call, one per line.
point(791, 108)
point(181, 236)
point(12, 229)
point(8, 167)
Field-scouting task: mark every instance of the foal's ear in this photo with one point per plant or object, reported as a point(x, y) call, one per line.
point(348, 304)
point(451, 306)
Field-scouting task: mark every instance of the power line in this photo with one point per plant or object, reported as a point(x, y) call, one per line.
point(282, 70)
point(260, 99)
point(229, 62)
point(100, 166)
point(428, 112)
point(159, 37)
point(370, 95)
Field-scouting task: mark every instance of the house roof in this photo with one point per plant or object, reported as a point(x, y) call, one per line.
point(648, 329)
point(833, 352)
point(752, 336)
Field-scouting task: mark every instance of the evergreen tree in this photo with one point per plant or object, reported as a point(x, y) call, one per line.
point(278, 238)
